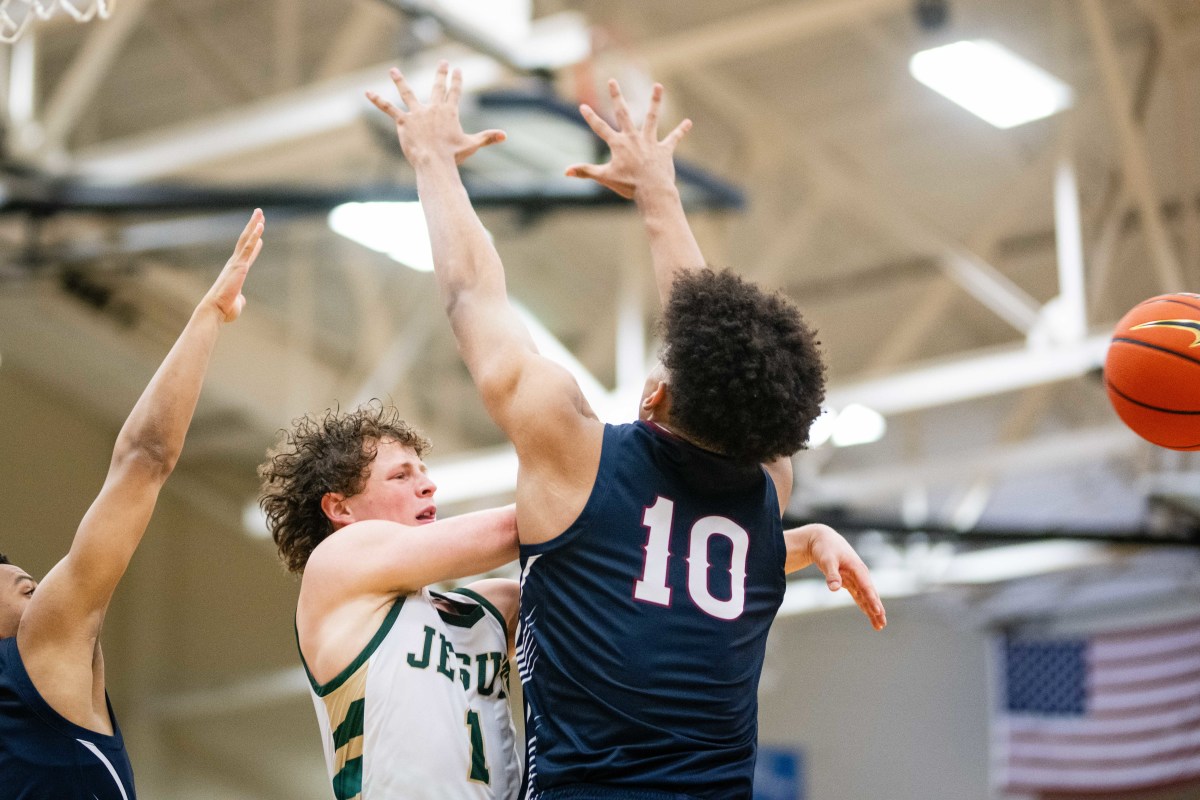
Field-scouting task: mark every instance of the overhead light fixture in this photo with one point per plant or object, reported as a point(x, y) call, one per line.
point(821, 428)
point(991, 82)
point(854, 424)
point(857, 424)
point(395, 229)
point(507, 21)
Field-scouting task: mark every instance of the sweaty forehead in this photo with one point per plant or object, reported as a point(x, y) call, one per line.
point(390, 451)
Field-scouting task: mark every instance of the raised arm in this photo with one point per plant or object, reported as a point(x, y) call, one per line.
point(518, 386)
point(60, 630)
point(820, 544)
point(642, 168)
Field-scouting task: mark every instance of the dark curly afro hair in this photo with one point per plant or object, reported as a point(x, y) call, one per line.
point(745, 371)
point(330, 453)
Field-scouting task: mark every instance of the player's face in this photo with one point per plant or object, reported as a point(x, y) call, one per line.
point(16, 587)
point(398, 488)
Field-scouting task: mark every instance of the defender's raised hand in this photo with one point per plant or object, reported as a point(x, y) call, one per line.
point(639, 159)
point(433, 130)
point(226, 292)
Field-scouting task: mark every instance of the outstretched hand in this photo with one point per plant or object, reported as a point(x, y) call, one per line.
point(639, 159)
point(842, 567)
point(429, 130)
point(226, 293)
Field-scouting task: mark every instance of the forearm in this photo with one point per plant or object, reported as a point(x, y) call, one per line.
point(673, 246)
point(145, 453)
point(465, 260)
point(153, 435)
point(491, 337)
point(486, 539)
point(385, 557)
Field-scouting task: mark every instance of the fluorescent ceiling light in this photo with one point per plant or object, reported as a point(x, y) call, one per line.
point(555, 41)
point(396, 229)
point(991, 82)
point(508, 21)
point(857, 424)
point(821, 428)
point(854, 424)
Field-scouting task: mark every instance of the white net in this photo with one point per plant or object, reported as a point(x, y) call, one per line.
point(17, 15)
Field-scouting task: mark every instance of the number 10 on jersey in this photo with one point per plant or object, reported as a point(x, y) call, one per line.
point(652, 586)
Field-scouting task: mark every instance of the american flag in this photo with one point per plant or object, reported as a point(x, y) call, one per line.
point(1109, 712)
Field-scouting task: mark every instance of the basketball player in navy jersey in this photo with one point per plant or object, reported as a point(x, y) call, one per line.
point(652, 553)
point(58, 736)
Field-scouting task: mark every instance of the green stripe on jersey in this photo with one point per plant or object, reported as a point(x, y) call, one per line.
point(352, 725)
point(348, 782)
point(487, 604)
point(367, 652)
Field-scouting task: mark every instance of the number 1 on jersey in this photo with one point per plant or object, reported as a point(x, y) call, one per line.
point(652, 586)
point(479, 770)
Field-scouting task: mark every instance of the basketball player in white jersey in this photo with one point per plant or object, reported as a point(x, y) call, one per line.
point(409, 684)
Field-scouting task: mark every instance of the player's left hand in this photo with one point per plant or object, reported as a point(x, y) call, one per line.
point(429, 130)
point(842, 567)
point(639, 159)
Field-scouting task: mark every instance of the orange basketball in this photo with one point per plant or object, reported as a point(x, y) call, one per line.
point(1152, 371)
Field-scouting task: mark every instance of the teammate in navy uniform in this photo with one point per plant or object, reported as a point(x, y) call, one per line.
point(653, 556)
point(59, 738)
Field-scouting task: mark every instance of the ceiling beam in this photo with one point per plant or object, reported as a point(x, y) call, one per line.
point(958, 261)
point(1133, 148)
point(1069, 322)
point(318, 108)
point(757, 31)
point(1183, 103)
point(971, 377)
point(321, 107)
point(365, 29)
point(76, 89)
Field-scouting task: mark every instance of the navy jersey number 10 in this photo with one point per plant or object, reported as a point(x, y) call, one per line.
point(652, 586)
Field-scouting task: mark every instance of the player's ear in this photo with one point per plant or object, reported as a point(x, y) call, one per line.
point(335, 508)
point(655, 398)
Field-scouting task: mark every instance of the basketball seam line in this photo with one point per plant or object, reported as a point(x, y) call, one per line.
point(1157, 347)
point(1124, 396)
point(1168, 300)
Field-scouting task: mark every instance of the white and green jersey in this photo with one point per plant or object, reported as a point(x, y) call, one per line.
point(422, 712)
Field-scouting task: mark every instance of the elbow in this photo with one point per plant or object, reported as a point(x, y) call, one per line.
point(456, 284)
point(452, 296)
point(148, 458)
